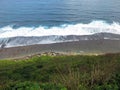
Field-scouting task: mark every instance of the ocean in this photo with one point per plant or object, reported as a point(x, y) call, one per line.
point(37, 18)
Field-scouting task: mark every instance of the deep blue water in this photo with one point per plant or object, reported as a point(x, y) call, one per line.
point(58, 17)
point(57, 12)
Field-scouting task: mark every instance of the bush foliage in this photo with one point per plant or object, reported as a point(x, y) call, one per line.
point(78, 72)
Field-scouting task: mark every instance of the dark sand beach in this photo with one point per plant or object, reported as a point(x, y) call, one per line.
point(76, 47)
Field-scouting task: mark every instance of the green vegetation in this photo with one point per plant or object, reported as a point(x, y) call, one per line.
point(61, 73)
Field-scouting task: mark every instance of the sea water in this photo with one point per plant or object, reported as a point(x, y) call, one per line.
point(58, 17)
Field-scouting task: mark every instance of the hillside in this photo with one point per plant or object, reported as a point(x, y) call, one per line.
point(73, 72)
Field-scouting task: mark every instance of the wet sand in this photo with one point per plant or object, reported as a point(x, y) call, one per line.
point(78, 47)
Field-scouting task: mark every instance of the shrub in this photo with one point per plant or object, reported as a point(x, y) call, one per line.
point(34, 86)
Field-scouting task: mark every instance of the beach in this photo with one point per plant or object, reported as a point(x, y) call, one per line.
point(75, 47)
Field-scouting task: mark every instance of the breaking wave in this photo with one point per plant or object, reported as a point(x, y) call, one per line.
point(66, 29)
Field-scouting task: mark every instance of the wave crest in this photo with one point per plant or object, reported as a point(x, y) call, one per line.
point(66, 29)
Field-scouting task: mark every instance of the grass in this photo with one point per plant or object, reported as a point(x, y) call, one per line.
point(77, 72)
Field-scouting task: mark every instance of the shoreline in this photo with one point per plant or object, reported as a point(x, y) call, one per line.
point(76, 47)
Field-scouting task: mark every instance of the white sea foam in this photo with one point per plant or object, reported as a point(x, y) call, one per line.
point(77, 29)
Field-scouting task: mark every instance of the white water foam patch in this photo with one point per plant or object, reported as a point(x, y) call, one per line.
point(77, 29)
